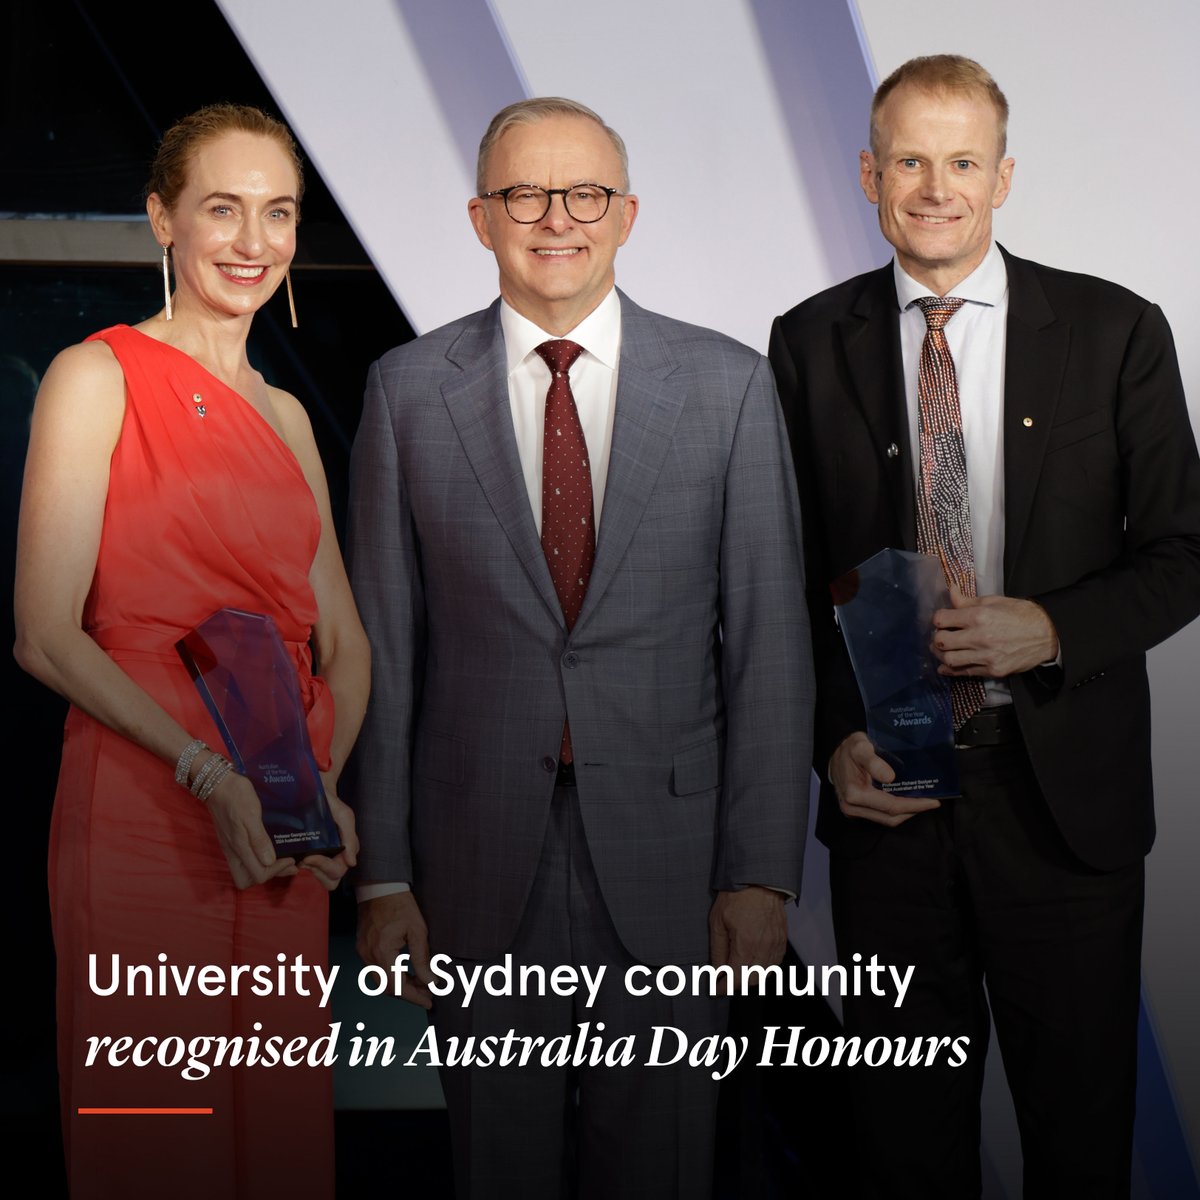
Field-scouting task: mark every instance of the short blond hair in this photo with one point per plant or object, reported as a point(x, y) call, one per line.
point(529, 112)
point(943, 73)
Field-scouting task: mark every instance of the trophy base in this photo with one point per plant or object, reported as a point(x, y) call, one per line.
point(285, 848)
point(923, 772)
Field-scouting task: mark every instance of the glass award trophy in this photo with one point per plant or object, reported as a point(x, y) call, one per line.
point(885, 608)
point(248, 683)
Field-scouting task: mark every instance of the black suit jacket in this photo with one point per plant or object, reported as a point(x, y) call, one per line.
point(1101, 513)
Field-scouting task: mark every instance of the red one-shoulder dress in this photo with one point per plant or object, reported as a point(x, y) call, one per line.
point(207, 508)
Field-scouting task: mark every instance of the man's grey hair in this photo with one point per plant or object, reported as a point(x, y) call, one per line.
point(529, 112)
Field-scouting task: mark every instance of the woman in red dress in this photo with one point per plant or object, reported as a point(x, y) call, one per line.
point(166, 480)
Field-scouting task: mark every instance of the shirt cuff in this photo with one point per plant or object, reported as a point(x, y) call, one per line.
point(373, 891)
point(787, 895)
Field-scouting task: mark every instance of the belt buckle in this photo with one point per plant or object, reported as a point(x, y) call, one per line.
point(991, 726)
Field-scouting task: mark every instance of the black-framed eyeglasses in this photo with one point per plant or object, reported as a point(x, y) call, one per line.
point(527, 203)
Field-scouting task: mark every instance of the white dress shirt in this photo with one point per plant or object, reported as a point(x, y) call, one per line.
point(593, 378)
point(976, 337)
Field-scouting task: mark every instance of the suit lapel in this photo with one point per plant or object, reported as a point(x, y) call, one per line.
point(870, 339)
point(647, 409)
point(1035, 360)
point(478, 402)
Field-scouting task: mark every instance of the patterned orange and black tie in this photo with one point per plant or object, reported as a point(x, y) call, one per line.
point(943, 505)
point(568, 517)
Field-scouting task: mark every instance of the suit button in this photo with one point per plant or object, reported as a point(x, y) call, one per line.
point(549, 765)
point(570, 660)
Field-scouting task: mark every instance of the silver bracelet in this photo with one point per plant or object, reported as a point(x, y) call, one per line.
point(210, 764)
point(186, 758)
point(210, 784)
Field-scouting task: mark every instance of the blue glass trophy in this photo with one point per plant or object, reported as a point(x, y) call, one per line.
point(248, 683)
point(885, 609)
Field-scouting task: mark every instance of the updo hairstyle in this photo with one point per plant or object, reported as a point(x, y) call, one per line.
point(168, 173)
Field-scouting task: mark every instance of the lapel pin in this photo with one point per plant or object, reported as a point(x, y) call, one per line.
point(1027, 422)
point(893, 450)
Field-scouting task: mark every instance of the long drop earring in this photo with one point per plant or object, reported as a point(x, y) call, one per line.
point(166, 264)
point(287, 279)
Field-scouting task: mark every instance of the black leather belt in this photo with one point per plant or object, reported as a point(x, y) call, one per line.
point(566, 775)
point(994, 726)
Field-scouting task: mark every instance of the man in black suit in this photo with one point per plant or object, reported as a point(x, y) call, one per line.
point(1083, 550)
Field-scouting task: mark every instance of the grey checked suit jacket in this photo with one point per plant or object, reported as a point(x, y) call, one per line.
point(687, 678)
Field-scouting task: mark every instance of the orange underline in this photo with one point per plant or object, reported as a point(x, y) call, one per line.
point(151, 1112)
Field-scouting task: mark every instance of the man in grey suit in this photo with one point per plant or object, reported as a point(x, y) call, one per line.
point(604, 764)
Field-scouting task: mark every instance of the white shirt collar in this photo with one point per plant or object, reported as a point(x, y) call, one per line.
point(985, 285)
point(599, 333)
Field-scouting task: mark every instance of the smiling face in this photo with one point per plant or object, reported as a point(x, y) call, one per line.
point(936, 176)
point(233, 226)
point(555, 271)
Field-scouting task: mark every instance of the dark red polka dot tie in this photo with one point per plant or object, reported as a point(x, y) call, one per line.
point(568, 519)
